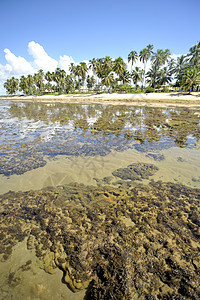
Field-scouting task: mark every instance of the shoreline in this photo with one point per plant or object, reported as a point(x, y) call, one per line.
point(174, 99)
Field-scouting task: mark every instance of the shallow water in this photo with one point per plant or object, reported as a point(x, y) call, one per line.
point(84, 187)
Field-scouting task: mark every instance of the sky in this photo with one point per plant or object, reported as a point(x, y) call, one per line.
point(48, 34)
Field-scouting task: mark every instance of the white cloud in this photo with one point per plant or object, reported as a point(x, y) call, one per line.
point(17, 65)
point(41, 59)
point(65, 62)
point(175, 56)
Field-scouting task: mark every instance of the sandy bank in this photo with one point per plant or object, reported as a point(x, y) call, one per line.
point(152, 99)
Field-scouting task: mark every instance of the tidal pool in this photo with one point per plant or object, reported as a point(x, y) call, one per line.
point(99, 202)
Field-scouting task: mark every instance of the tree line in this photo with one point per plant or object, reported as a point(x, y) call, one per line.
point(112, 74)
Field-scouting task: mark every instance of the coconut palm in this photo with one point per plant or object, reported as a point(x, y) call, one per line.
point(56, 78)
point(72, 69)
point(100, 68)
point(49, 76)
point(38, 80)
point(119, 66)
point(164, 76)
point(30, 82)
point(90, 82)
point(145, 55)
point(93, 65)
point(132, 57)
point(125, 77)
point(160, 57)
point(137, 75)
point(107, 65)
point(153, 75)
point(108, 80)
point(78, 83)
point(23, 85)
point(62, 81)
point(194, 55)
point(69, 84)
point(83, 70)
point(11, 85)
point(180, 64)
point(191, 79)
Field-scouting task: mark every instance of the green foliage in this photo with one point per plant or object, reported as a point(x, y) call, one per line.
point(123, 88)
point(90, 82)
point(11, 85)
point(165, 89)
point(191, 79)
point(149, 89)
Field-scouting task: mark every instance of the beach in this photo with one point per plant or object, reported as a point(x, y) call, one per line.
point(152, 99)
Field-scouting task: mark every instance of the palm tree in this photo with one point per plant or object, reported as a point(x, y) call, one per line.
point(107, 65)
point(137, 76)
point(90, 82)
point(99, 67)
point(72, 70)
point(81, 71)
point(119, 66)
point(191, 79)
point(62, 81)
point(56, 78)
point(145, 55)
point(194, 55)
point(160, 57)
point(132, 57)
point(108, 80)
point(153, 75)
point(69, 84)
point(164, 76)
point(11, 85)
point(38, 80)
point(49, 76)
point(180, 64)
point(23, 85)
point(125, 77)
point(93, 65)
point(30, 82)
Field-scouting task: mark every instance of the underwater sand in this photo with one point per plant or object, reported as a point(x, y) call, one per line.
point(180, 166)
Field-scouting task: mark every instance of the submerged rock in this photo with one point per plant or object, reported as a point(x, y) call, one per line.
point(156, 156)
point(136, 171)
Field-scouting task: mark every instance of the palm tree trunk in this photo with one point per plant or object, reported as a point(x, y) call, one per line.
point(143, 83)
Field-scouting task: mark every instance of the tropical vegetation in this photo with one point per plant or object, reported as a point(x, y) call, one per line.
point(158, 72)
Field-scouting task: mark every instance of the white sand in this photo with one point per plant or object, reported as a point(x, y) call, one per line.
point(151, 99)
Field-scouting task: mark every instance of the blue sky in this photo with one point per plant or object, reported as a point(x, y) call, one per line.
point(87, 29)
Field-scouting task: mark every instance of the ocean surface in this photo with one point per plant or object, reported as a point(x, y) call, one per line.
point(99, 201)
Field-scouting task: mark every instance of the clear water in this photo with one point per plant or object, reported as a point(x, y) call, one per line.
point(81, 162)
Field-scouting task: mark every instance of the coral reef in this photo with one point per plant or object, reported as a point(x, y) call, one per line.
point(117, 242)
point(136, 171)
point(20, 163)
point(155, 156)
point(31, 131)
